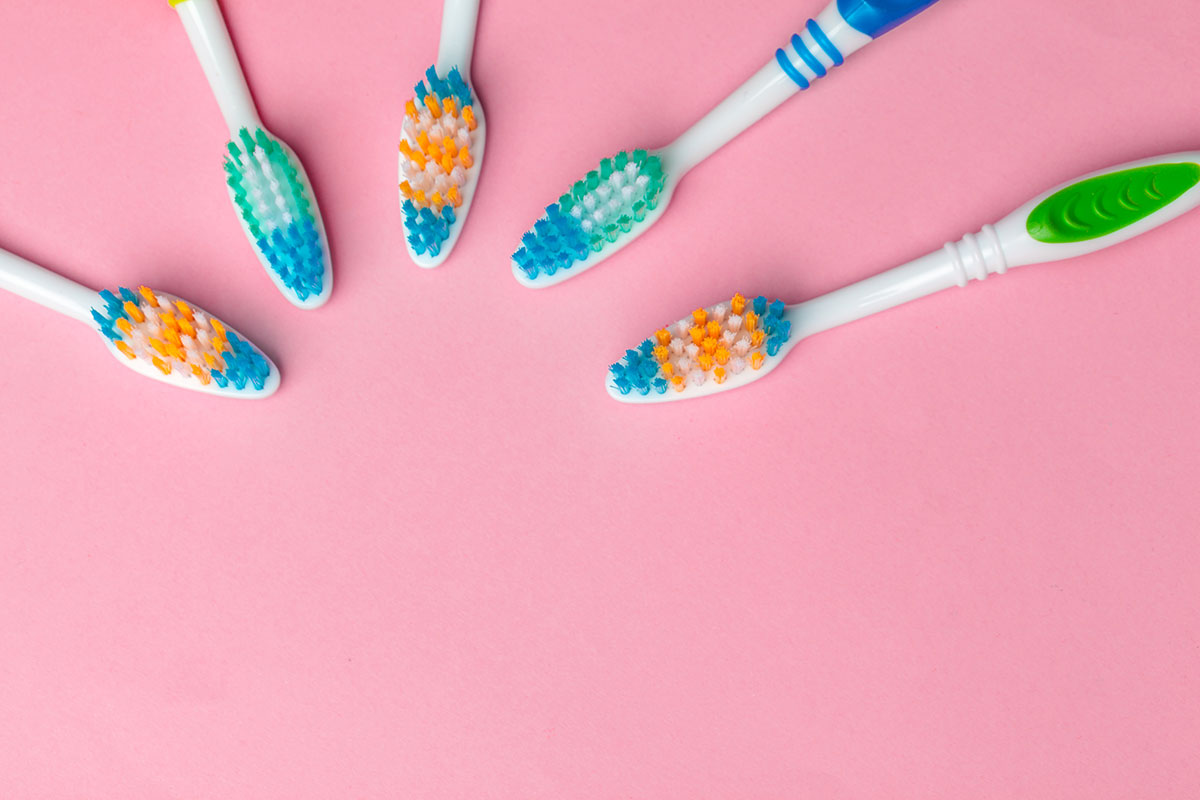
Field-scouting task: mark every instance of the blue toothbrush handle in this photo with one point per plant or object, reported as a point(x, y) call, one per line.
point(877, 17)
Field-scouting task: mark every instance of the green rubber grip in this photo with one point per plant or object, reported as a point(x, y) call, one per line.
point(1104, 204)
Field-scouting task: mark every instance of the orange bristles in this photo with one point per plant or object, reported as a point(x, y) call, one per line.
point(749, 321)
point(722, 356)
point(134, 312)
point(677, 383)
point(709, 345)
point(433, 106)
point(757, 338)
point(454, 197)
point(464, 156)
point(410, 108)
point(663, 336)
point(125, 326)
point(163, 366)
point(469, 117)
point(714, 328)
point(450, 106)
point(737, 304)
point(719, 375)
point(697, 334)
point(661, 354)
point(126, 350)
point(419, 198)
point(185, 310)
point(668, 369)
point(705, 361)
point(447, 163)
point(449, 146)
point(700, 316)
point(149, 297)
point(757, 359)
point(406, 190)
point(436, 202)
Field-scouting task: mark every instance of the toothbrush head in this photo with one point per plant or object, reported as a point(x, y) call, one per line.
point(608, 208)
point(716, 349)
point(441, 154)
point(162, 337)
point(278, 210)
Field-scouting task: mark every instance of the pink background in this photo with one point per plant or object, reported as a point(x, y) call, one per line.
point(947, 552)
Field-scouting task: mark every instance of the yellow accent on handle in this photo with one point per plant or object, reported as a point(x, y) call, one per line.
point(176, 2)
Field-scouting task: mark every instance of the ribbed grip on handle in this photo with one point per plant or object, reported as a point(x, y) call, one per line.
point(976, 256)
point(813, 53)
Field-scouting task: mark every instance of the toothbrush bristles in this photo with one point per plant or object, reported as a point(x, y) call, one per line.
point(598, 210)
point(179, 340)
point(439, 141)
point(273, 199)
point(713, 344)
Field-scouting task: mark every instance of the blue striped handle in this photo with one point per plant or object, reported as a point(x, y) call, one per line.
point(810, 59)
point(877, 17)
point(871, 17)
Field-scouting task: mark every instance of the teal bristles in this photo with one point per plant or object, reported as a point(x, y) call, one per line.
point(606, 204)
point(276, 206)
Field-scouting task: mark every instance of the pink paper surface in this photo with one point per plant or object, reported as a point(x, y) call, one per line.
point(947, 552)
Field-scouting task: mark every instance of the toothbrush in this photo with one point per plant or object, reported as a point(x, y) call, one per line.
point(729, 345)
point(441, 151)
point(616, 202)
point(266, 181)
point(153, 333)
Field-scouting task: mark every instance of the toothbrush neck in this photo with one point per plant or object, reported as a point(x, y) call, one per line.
point(458, 36)
point(974, 257)
point(821, 45)
point(28, 280)
point(749, 103)
point(210, 39)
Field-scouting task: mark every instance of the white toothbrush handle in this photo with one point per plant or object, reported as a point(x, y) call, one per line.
point(210, 39)
point(458, 36)
point(1092, 213)
point(844, 27)
point(48, 288)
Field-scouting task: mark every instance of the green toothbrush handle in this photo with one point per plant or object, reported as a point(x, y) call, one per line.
point(1101, 210)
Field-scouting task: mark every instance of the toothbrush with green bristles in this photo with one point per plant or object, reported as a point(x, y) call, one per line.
point(266, 181)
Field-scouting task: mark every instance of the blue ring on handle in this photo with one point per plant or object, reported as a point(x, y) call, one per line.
point(813, 62)
point(831, 50)
point(790, 70)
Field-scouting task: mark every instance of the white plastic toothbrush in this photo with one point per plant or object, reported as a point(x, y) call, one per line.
point(153, 333)
point(615, 203)
point(266, 181)
point(732, 344)
point(441, 151)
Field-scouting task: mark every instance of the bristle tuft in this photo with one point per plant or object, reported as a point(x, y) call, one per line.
point(179, 340)
point(276, 205)
point(604, 205)
point(437, 158)
point(711, 344)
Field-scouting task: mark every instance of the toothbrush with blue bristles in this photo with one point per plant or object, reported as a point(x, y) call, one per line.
point(153, 333)
point(441, 150)
point(733, 344)
point(266, 181)
point(616, 202)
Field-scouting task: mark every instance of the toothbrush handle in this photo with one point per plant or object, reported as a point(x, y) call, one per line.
point(48, 288)
point(458, 36)
point(210, 39)
point(1097, 211)
point(844, 27)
